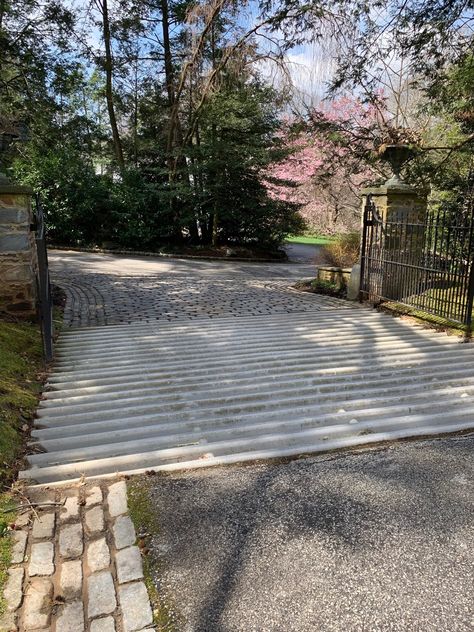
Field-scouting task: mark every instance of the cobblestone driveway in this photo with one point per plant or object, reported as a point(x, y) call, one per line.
point(107, 290)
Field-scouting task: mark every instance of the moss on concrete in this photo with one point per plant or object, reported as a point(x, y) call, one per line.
point(431, 320)
point(165, 616)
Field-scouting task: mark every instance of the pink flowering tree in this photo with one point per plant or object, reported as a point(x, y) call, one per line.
point(330, 158)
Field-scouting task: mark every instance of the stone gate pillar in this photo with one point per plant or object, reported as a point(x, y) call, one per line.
point(18, 259)
point(403, 210)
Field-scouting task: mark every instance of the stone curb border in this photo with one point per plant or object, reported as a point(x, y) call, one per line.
point(75, 564)
point(164, 255)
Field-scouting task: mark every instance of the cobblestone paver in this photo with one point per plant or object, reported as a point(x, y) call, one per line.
point(189, 290)
point(69, 577)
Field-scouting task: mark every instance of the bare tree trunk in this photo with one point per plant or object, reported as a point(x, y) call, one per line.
point(169, 74)
point(215, 217)
point(135, 114)
point(108, 67)
point(174, 130)
point(169, 78)
point(86, 116)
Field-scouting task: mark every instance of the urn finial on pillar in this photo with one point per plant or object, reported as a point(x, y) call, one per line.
point(397, 155)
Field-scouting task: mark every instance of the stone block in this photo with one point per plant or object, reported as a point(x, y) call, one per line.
point(103, 625)
point(25, 291)
point(8, 622)
point(70, 617)
point(71, 542)
point(117, 499)
point(14, 242)
point(124, 532)
point(22, 309)
point(41, 559)
point(11, 199)
point(38, 602)
point(15, 273)
point(70, 580)
point(14, 215)
point(93, 496)
point(129, 564)
point(94, 519)
point(13, 591)
point(135, 605)
point(19, 546)
point(70, 509)
point(43, 526)
point(101, 594)
point(338, 276)
point(98, 555)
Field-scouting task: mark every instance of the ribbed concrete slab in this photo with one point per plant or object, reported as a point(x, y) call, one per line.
point(172, 395)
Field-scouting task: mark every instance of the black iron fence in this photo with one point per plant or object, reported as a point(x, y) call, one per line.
point(424, 263)
point(45, 303)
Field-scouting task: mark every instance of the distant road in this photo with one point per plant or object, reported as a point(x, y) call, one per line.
point(302, 253)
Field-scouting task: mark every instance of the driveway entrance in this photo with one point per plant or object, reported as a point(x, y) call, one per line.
point(169, 364)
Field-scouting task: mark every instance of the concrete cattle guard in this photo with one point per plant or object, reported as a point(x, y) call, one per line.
point(218, 363)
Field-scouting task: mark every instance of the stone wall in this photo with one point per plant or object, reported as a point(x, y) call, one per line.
point(339, 276)
point(18, 260)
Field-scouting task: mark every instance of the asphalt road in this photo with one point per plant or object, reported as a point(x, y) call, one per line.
point(302, 253)
point(369, 541)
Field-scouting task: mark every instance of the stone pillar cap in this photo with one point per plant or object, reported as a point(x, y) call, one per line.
point(397, 188)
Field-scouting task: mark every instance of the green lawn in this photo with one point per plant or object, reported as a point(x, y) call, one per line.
point(316, 240)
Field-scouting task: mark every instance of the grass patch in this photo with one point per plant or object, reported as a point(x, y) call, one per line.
point(20, 385)
point(7, 517)
point(165, 616)
point(316, 240)
point(21, 366)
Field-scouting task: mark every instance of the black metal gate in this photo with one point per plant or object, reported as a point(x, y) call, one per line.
point(43, 284)
point(425, 264)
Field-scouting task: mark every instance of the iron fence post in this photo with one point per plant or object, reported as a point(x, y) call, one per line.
point(363, 246)
point(470, 285)
point(45, 305)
